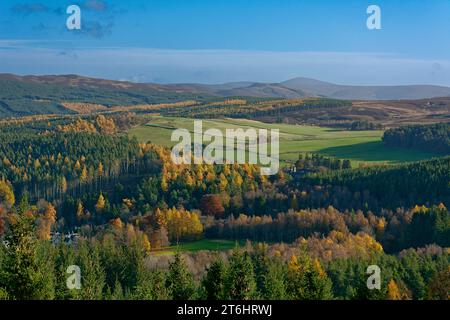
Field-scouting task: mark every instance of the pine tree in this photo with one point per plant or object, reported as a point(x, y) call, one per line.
point(179, 282)
point(92, 272)
point(214, 280)
point(439, 285)
point(274, 287)
point(240, 281)
point(20, 273)
point(307, 280)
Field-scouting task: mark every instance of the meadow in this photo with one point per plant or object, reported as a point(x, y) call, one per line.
point(358, 146)
point(203, 244)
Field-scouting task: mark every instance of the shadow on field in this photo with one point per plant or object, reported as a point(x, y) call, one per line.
point(375, 151)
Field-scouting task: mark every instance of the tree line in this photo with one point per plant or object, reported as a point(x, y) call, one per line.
point(431, 138)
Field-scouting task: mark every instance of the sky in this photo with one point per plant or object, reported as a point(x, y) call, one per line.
point(217, 41)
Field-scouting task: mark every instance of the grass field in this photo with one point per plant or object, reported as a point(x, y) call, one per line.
point(358, 146)
point(204, 244)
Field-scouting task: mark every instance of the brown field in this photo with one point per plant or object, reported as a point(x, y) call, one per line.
point(387, 113)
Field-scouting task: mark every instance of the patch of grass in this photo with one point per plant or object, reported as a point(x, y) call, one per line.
point(204, 244)
point(357, 146)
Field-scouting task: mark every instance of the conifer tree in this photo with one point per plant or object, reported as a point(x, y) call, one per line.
point(214, 280)
point(240, 281)
point(179, 282)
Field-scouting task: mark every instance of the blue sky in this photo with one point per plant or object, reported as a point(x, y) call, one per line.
point(214, 41)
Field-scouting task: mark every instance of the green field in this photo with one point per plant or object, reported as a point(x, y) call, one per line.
point(204, 244)
point(358, 146)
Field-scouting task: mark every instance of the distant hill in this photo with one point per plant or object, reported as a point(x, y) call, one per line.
point(27, 95)
point(304, 87)
point(330, 90)
point(30, 95)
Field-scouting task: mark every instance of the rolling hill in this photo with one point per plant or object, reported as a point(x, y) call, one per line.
point(304, 87)
point(30, 95)
point(330, 90)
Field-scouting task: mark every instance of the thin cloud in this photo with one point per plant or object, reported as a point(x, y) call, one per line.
point(96, 29)
point(68, 54)
point(95, 5)
point(29, 8)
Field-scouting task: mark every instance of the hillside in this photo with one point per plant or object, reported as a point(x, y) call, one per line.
point(68, 94)
point(387, 113)
point(304, 87)
point(30, 95)
point(330, 90)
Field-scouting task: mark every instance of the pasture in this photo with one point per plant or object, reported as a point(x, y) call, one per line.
point(358, 146)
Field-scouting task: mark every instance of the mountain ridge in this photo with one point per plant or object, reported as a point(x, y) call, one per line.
point(293, 88)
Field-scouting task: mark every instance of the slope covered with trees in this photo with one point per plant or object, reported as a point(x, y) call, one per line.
point(424, 182)
point(432, 138)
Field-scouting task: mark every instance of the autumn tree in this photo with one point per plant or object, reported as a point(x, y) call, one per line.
point(105, 125)
point(101, 202)
point(6, 194)
point(46, 221)
point(211, 205)
point(63, 184)
point(393, 292)
point(80, 210)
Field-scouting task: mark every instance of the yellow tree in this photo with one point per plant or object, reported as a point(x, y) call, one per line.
point(164, 184)
point(84, 175)
point(226, 170)
point(146, 243)
point(77, 165)
point(105, 125)
point(6, 194)
point(237, 179)
point(63, 184)
point(80, 210)
point(37, 164)
point(293, 265)
point(100, 169)
point(100, 203)
point(223, 182)
point(46, 222)
point(393, 293)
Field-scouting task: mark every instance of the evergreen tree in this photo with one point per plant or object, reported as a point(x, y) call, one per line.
point(307, 280)
point(240, 281)
point(179, 280)
point(21, 273)
point(214, 280)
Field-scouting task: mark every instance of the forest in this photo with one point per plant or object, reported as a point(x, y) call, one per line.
point(77, 190)
point(434, 138)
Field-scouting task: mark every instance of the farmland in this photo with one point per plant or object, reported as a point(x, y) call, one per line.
point(358, 146)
